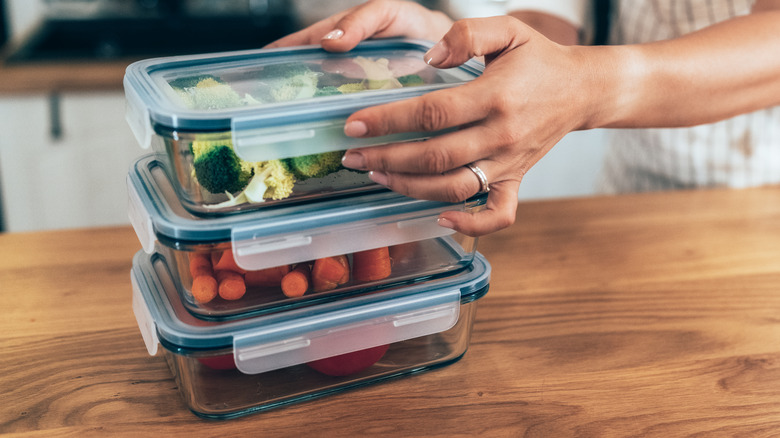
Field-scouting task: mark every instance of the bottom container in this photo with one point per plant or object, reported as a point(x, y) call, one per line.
point(232, 368)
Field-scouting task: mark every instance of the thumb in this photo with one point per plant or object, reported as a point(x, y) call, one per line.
point(475, 37)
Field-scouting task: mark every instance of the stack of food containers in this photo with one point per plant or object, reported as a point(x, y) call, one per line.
point(269, 273)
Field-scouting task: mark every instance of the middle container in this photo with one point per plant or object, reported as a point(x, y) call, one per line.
point(341, 247)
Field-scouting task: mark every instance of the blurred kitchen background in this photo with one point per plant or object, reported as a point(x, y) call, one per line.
point(65, 147)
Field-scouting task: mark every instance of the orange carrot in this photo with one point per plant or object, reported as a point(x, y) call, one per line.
point(231, 285)
point(296, 282)
point(270, 277)
point(326, 274)
point(405, 252)
point(344, 260)
point(200, 264)
point(372, 264)
point(226, 262)
point(204, 288)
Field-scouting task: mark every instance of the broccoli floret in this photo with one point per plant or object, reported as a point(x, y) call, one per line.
point(286, 82)
point(411, 80)
point(207, 93)
point(327, 91)
point(315, 165)
point(272, 179)
point(189, 81)
point(217, 168)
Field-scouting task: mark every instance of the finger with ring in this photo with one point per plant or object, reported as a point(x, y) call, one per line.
point(484, 187)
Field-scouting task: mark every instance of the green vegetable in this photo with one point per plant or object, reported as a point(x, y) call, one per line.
point(411, 80)
point(207, 93)
point(327, 91)
point(286, 82)
point(315, 165)
point(272, 179)
point(217, 168)
point(190, 81)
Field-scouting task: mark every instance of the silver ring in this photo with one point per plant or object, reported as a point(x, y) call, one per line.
point(484, 187)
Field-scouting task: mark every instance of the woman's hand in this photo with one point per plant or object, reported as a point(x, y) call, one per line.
point(532, 93)
point(374, 19)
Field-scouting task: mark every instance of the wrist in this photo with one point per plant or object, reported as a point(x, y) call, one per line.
point(612, 82)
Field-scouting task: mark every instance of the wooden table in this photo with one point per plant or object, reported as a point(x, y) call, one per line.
point(50, 77)
point(644, 315)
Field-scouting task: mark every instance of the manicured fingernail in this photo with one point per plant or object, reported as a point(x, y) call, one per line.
point(378, 177)
point(444, 222)
point(334, 34)
point(436, 54)
point(354, 160)
point(355, 129)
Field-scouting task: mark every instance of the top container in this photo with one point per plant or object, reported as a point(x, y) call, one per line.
point(260, 128)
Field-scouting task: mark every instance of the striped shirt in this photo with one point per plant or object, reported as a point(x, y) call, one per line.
point(742, 151)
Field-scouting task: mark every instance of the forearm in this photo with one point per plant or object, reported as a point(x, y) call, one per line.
point(554, 28)
point(724, 70)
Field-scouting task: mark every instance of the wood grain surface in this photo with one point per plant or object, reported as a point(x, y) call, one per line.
point(653, 315)
point(47, 77)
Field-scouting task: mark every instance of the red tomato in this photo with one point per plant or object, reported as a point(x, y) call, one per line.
point(349, 363)
point(221, 362)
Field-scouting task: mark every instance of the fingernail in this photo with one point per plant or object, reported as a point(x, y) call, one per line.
point(354, 160)
point(334, 34)
point(436, 54)
point(355, 129)
point(378, 177)
point(446, 223)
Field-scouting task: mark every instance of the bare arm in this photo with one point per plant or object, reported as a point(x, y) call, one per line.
point(534, 91)
point(721, 71)
point(554, 28)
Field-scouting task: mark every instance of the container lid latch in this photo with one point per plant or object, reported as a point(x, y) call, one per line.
point(144, 318)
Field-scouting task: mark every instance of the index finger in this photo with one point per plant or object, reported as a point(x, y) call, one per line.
point(430, 112)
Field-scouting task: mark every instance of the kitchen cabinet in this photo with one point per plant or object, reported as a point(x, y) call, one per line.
point(63, 160)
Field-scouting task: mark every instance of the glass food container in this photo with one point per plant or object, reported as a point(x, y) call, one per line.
point(250, 129)
point(231, 368)
point(264, 261)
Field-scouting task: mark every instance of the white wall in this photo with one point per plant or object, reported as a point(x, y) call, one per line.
point(22, 16)
point(570, 169)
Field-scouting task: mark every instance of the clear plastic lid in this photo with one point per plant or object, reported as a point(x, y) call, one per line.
point(288, 338)
point(281, 103)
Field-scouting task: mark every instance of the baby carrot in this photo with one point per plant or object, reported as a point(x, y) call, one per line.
point(200, 264)
point(204, 288)
point(405, 252)
point(344, 260)
point(270, 277)
point(296, 282)
point(372, 264)
point(326, 274)
point(226, 262)
point(231, 285)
